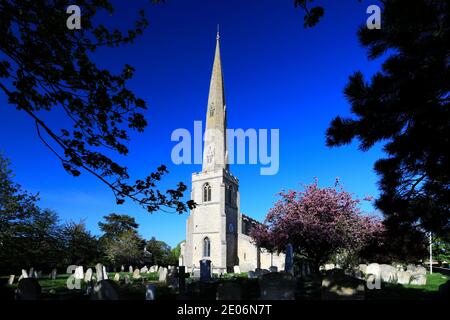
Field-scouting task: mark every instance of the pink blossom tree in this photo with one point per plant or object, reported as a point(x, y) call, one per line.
point(318, 222)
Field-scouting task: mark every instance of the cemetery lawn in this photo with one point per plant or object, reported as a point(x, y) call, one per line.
point(409, 292)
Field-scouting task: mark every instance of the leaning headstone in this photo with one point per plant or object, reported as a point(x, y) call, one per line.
point(236, 269)
point(136, 274)
point(88, 275)
point(79, 273)
point(205, 270)
point(150, 292)
point(53, 274)
point(106, 290)
point(229, 291)
point(28, 289)
point(11, 279)
point(105, 274)
point(24, 274)
point(99, 271)
point(277, 286)
point(339, 286)
point(403, 277)
point(162, 275)
point(388, 273)
point(289, 259)
point(117, 277)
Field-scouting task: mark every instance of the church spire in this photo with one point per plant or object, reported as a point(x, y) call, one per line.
point(215, 153)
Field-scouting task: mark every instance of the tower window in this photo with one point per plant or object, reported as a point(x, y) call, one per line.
point(206, 247)
point(206, 192)
point(229, 193)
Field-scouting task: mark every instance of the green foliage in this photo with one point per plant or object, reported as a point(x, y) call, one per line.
point(441, 251)
point(406, 107)
point(81, 247)
point(45, 67)
point(160, 253)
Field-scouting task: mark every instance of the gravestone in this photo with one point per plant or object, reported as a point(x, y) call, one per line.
point(150, 292)
point(122, 268)
point(277, 286)
point(130, 269)
point(53, 274)
point(79, 273)
point(24, 274)
point(236, 269)
point(289, 259)
point(338, 286)
point(38, 274)
point(31, 273)
point(117, 277)
point(388, 273)
point(106, 290)
point(28, 289)
point(205, 270)
point(418, 279)
point(127, 279)
point(162, 274)
point(144, 269)
point(105, 273)
point(88, 275)
point(172, 276)
point(99, 272)
point(11, 279)
point(229, 291)
point(420, 270)
point(273, 269)
point(136, 274)
point(403, 277)
point(182, 275)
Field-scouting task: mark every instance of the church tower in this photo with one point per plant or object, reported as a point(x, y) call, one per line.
point(212, 227)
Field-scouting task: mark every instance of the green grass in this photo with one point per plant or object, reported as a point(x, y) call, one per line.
point(409, 292)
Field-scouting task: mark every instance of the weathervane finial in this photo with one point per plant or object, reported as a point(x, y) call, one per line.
point(218, 35)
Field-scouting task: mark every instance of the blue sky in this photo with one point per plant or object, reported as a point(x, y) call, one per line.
point(277, 75)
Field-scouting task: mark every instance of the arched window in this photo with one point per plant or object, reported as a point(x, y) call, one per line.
point(206, 192)
point(206, 247)
point(229, 195)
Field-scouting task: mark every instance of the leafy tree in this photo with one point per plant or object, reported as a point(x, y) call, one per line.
point(441, 251)
point(127, 248)
point(161, 253)
point(318, 222)
point(116, 224)
point(405, 106)
point(45, 67)
point(80, 246)
point(15, 203)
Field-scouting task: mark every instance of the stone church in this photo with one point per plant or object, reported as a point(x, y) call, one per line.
point(216, 229)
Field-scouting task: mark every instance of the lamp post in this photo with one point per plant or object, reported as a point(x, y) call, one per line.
point(431, 255)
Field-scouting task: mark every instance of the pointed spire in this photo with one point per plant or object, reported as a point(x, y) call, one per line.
point(215, 155)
